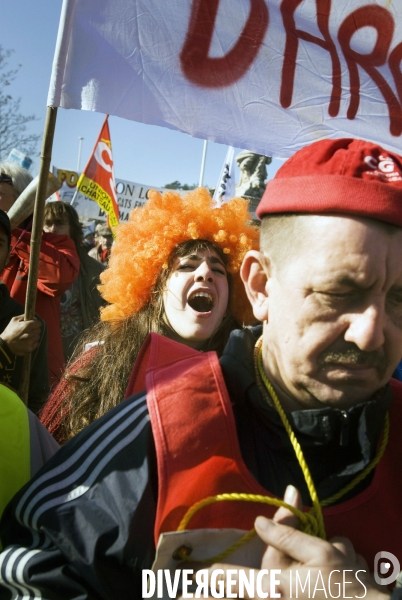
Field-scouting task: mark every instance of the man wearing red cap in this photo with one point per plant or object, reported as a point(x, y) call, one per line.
point(303, 399)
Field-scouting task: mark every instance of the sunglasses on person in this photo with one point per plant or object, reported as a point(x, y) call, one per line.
point(4, 178)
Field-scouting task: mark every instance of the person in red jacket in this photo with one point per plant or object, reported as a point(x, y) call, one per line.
point(58, 267)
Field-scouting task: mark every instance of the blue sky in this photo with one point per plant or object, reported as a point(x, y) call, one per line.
point(142, 153)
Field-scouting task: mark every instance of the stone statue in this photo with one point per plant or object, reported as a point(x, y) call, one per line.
point(253, 173)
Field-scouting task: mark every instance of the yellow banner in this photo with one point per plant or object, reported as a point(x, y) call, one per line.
point(95, 192)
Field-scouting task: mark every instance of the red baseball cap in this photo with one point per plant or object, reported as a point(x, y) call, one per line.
point(347, 176)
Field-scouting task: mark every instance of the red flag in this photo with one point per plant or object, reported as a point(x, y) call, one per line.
point(97, 180)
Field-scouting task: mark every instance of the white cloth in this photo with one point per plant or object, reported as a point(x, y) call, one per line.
point(226, 75)
point(226, 186)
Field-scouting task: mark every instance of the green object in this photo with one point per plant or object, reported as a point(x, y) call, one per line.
point(15, 463)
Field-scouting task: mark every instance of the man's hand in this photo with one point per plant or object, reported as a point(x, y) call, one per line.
point(290, 550)
point(307, 554)
point(22, 337)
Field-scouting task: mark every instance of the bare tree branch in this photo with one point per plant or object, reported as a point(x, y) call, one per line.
point(13, 125)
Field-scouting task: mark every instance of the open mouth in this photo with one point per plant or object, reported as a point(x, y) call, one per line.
point(201, 302)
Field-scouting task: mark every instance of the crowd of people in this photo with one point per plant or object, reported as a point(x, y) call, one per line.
point(195, 368)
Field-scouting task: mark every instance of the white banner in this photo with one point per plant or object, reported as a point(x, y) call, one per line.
point(266, 75)
point(129, 196)
point(226, 186)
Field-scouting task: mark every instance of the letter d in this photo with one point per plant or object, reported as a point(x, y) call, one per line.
point(148, 583)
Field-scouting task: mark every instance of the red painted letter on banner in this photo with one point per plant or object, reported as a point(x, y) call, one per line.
point(288, 8)
point(208, 72)
point(381, 20)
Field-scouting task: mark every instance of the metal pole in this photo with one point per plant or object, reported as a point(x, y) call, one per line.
point(36, 238)
point(79, 154)
point(204, 155)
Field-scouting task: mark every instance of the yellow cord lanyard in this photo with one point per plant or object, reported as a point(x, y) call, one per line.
point(311, 522)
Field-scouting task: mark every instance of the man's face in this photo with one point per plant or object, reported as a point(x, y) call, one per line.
point(4, 249)
point(7, 198)
point(333, 324)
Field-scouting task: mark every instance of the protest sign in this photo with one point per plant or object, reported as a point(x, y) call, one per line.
point(20, 158)
point(266, 75)
point(129, 196)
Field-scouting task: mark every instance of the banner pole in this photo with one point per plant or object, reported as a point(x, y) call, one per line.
point(204, 154)
point(79, 153)
point(74, 197)
point(36, 238)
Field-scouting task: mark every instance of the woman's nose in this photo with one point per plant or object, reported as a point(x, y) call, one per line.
point(204, 272)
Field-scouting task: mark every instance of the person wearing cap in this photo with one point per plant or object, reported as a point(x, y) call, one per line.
point(101, 252)
point(19, 337)
point(306, 398)
point(89, 239)
point(58, 267)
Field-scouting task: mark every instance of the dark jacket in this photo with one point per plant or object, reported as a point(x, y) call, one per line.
point(91, 300)
point(84, 527)
point(11, 365)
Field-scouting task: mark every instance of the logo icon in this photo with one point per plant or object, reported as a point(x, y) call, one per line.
point(386, 563)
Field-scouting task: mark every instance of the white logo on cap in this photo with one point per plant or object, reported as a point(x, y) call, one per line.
point(384, 167)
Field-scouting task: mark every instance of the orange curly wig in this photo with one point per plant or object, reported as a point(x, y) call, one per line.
point(144, 243)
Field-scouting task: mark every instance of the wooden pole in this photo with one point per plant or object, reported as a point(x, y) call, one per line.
point(36, 238)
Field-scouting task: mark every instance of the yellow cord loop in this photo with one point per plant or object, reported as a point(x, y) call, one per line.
point(311, 522)
point(305, 520)
point(308, 523)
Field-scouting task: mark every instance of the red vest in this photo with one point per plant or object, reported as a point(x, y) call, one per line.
point(198, 455)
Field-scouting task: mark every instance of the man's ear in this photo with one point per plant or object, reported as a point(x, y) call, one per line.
point(254, 273)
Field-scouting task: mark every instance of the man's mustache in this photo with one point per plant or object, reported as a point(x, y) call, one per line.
point(354, 356)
